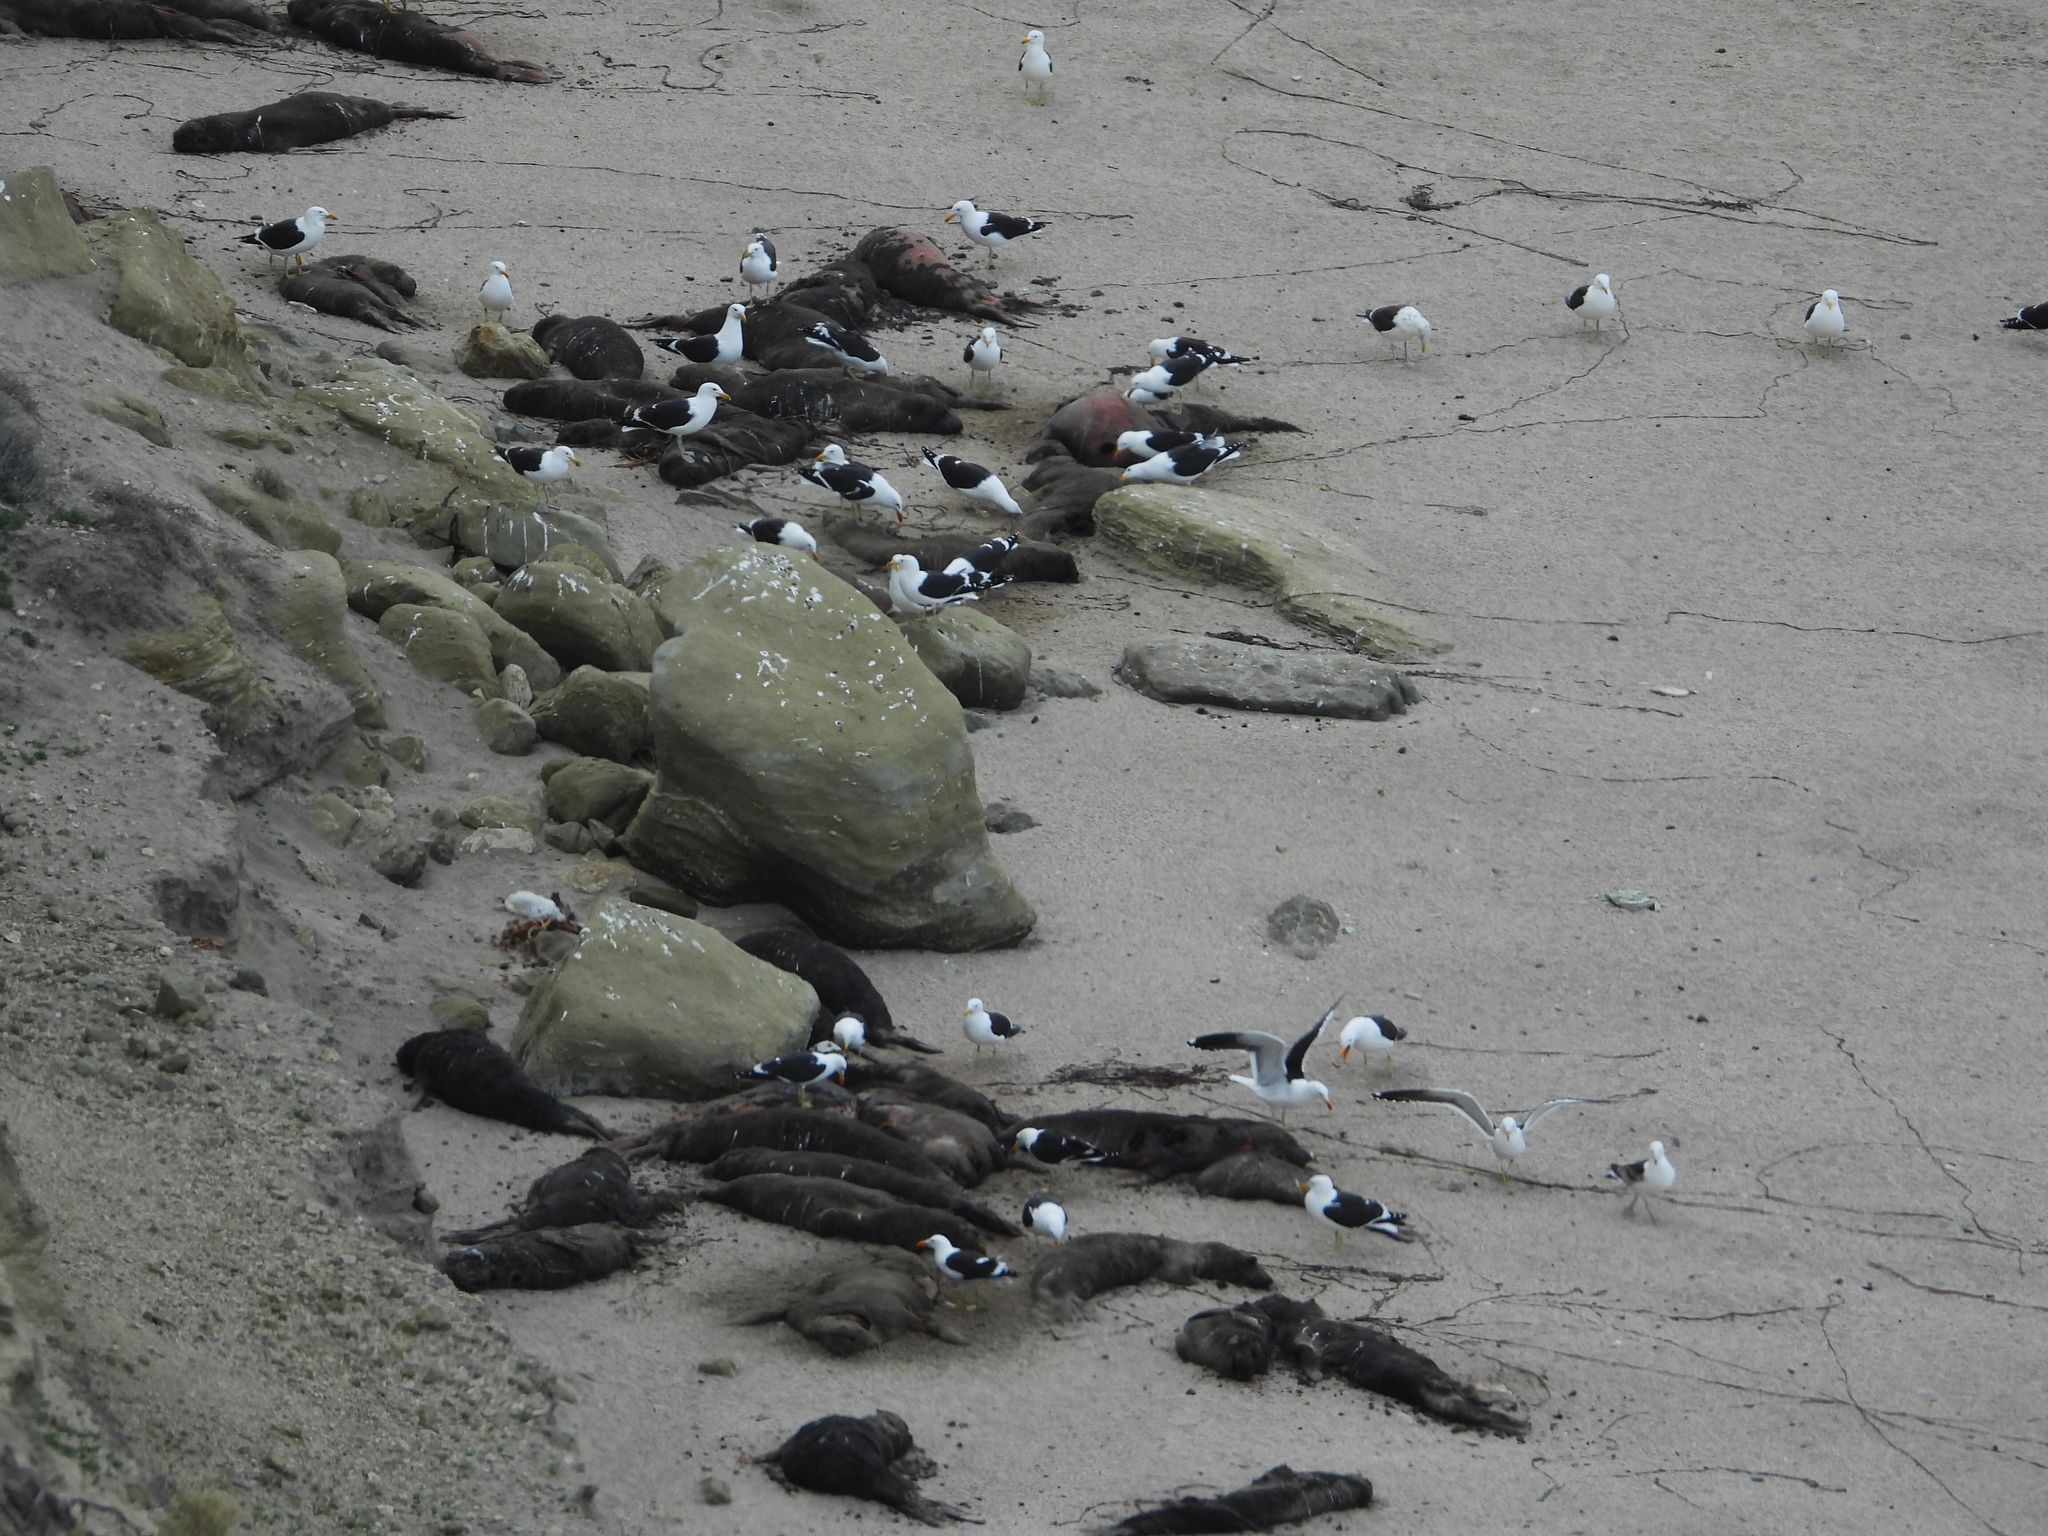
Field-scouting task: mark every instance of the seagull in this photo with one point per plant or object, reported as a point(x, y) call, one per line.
point(542, 466)
point(850, 1033)
point(981, 563)
point(1507, 1137)
point(785, 532)
point(724, 346)
point(1653, 1176)
point(680, 416)
point(913, 589)
point(1184, 466)
point(850, 480)
point(984, 1027)
point(1165, 348)
point(1402, 320)
point(851, 350)
point(757, 263)
point(956, 1263)
point(1594, 301)
point(495, 297)
point(2033, 318)
point(1161, 380)
point(1340, 1211)
point(533, 907)
point(1055, 1146)
point(991, 231)
point(1047, 1217)
point(802, 1070)
point(981, 356)
point(974, 481)
point(1824, 318)
point(293, 237)
point(1373, 1033)
point(1136, 446)
point(1036, 68)
point(1276, 1074)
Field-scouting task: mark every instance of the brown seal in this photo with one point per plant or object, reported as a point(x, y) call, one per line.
point(408, 36)
point(1282, 1496)
point(863, 1306)
point(311, 117)
point(551, 1260)
point(356, 288)
point(589, 346)
point(1086, 1266)
point(871, 1458)
point(909, 266)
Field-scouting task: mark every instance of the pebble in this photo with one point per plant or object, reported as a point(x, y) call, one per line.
point(714, 1490)
point(719, 1367)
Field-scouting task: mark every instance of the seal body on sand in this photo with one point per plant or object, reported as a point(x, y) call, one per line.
point(545, 1261)
point(871, 1458)
point(311, 117)
point(590, 346)
point(471, 1072)
point(1102, 1261)
point(842, 986)
point(1282, 1496)
point(596, 1187)
point(863, 1306)
point(908, 265)
point(369, 27)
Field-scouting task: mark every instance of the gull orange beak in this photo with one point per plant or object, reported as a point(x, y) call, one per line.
point(1304, 1189)
point(723, 395)
point(1329, 1103)
point(1344, 1054)
point(952, 218)
point(923, 1242)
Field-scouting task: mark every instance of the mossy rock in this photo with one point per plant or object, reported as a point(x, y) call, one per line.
point(581, 619)
point(982, 661)
point(597, 713)
point(375, 585)
point(37, 237)
point(289, 524)
point(442, 644)
point(163, 296)
point(310, 611)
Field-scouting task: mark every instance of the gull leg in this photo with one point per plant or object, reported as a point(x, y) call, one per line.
point(1650, 1210)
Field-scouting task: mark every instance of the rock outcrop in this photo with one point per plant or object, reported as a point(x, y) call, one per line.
point(1264, 677)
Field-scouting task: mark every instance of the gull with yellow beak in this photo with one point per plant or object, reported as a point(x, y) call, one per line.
point(1277, 1068)
point(495, 297)
point(1036, 68)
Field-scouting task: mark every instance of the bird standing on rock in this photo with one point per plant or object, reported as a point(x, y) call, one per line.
point(985, 1027)
point(495, 297)
point(784, 532)
point(542, 466)
point(1036, 68)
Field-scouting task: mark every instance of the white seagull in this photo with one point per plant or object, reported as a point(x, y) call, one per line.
point(1507, 1136)
point(1824, 318)
point(1372, 1033)
point(1400, 320)
point(913, 589)
point(1184, 466)
point(991, 231)
point(1136, 446)
point(981, 356)
point(1163, 348)
point(783, 532)
point(851, 480)
point(955, 1263)
point(851, 350)
point(495, 297)
point(757, 263)
point(1653, 1176)
point(724, 346)
point(1036, 68)
point(801, 1070)
point(1594, 301)
point(293, 237)
point(1276, 1067)
point(1342, 1212)
point(1162, 379)
point(680, 416)
point(1047, 1217)
point(976, 482)
point(533, 907)
point(542, 466)
point(985, 1027)
point(1055, 1146)
point(850, 1033)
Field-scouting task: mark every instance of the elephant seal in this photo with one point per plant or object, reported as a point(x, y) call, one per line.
point(311, 117)
point(1251, 1176)
point(1163, 1145)
point(1282, 1496)
point(705, 1139)
point(863, 1074)
point(358, 288)
point(408, 36)
point(469, 1071)
point(872, 1458)
point(864, 1306)
point(240, 23)
point(589, 346)
point(874, 546)
point(833, 1208)
point(546, 1261)
point(909, 266)
point(939, 1193)
point(842, 986)
point(964, 1148)
point(1086, 1266)
point(596, 1187)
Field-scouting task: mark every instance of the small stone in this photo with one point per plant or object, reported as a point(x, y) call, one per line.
point(506, 729)
point(714, 1490)
point(1060, 683)
point(975, 720)
point(662, 897)
point(1302, 924)
point(176, 1064)
point(409, 750)
point(178, 993)
point(499, 840)
point(500, 811)
point(332, 819)
point(568, 836)
point(401, 860)
point(249, 979)
point(458, 1010)
point(518, 688)
point(1630, 901)
point(722, 1366)
point(1003, 817)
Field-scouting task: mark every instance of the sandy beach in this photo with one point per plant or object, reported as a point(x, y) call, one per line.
point(1739, 622)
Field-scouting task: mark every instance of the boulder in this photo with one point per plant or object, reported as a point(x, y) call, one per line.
point(1337, 684)
point(37, 237)
point(375, 585)
point(396, 405)
point(442, 644)
point(658, 1006)
point(599, 714)
point(594, 789)
point(163, 296)
point(505, 728)
point(289, 523)
point(580, 619)
point(1221, 538)
point(490, 351)
point(983, 662)
point(500, 811)
point(510, 537)
point(804, 755)
point(310, 611)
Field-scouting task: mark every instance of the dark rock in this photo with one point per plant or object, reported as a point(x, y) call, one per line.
point(247, 979)
point(201, 900)
point(1304, 925)
point(1002, 817)
point(1060, 683)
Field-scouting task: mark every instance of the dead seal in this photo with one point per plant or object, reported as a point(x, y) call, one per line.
point(941, 1194)
point(1282, 1496)
point(590, 346)
point(311, 117)
point(912, 268)
point(550, 1260)
point(832, 1208)
point(1086, 1266)
point(359, 288)
point(241, 23)
point(842, 986)
point(469, 1071)
point(872, 1458)
point(704, 1139)
point(366, 26)
point(864, 1306)
point(596, 1187)
point(1162, 1145)
point(961, 1146)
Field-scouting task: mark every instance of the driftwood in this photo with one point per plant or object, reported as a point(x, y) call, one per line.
point(833, 1208)
point(1279, 1497)
point(705, 1139)
point(1163, 1145)
point(1085, 1267)
point(546, 1261)
point(864, 1074)
point(1241, 1342)
point(864, 1306)
point(871, 1458)
point(912, 268)
point(408, 36)
point(311, 117)
point(590, 346)
point(596, 1187)
point(942, 1194)
point(965, 1148)
point(469, 1071)
point(356, 288)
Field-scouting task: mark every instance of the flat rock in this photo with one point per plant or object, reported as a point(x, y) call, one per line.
point(658, 1006)
point(1220, 538)
point(1336, 684)
point(982, 661)
point(805, 755)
